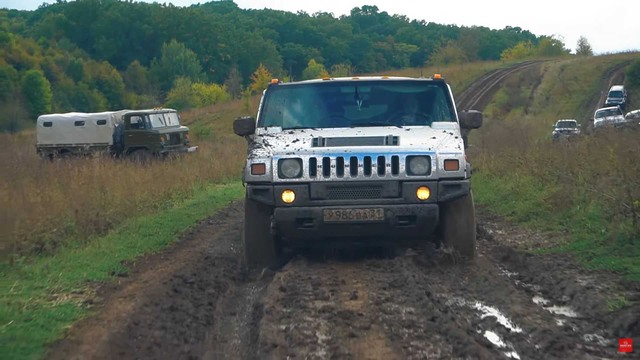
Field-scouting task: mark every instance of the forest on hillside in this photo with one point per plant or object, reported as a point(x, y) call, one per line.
point(96, 55)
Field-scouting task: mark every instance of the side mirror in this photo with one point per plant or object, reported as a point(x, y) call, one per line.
point(470, 119)
point(244, 125)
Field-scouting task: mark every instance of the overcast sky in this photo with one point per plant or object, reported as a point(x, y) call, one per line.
point(609, 26)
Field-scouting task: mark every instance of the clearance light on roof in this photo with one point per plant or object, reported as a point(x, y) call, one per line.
point(275, 81)
point(437, 76)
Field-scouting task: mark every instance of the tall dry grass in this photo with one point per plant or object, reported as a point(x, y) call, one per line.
point(47, 204)
point(598, 169)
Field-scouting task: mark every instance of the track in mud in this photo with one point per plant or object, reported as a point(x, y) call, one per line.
point(197, 301)
point(479, 94)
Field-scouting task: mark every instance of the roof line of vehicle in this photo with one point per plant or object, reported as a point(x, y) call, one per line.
point(357, 78)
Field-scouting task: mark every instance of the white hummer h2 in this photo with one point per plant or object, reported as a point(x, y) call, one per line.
point(357, 159)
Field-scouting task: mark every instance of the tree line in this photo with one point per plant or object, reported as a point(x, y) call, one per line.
point(95, 55)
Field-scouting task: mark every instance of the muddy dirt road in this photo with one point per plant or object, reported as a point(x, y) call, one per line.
point(196, 301)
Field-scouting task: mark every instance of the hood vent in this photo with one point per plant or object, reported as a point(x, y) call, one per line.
point(388, 140)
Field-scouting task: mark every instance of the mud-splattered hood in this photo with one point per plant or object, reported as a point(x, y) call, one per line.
point(380, 153)
point(441, 137)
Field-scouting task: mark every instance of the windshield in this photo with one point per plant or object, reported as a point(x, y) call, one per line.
point(615, 94)
point(608, 112)
point(566, 124)
point(160, 120)
point(356, 103)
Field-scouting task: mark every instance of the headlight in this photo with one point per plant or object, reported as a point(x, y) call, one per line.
point(418, 165)
point(290, 168)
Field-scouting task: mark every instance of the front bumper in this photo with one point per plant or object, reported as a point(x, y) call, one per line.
point(178, 150)
point(401, 222)
point(405, 217)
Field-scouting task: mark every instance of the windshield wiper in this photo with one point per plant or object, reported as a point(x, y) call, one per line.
point(299, 127)
point(376, 123)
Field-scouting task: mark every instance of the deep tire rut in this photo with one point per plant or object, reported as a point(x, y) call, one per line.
point(197, 301)
point(479, 94)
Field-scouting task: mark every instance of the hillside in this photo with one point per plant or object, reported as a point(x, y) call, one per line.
point(583, 191)
point(91, 55)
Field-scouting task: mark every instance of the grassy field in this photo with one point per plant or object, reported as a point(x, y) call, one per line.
point(70, 200)
point(587, 190)
point(41, 298)
point(69, 223)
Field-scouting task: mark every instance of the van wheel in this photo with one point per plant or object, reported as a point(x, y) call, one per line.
point(260, 248)
point(458, 226)
point(142, 156)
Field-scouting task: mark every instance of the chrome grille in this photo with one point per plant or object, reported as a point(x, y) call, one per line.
point(354, 166)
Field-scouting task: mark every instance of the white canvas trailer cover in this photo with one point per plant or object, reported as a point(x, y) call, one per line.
point(77, 129)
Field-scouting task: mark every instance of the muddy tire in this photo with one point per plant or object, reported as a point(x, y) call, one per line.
point(142, 156)
point(260, 250)
point(458, 226)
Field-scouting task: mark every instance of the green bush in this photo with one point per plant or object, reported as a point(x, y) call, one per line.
point(37, 92)
point(186, 94)
point(633, 75)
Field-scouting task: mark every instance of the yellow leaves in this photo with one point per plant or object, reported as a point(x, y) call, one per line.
point(260, 79)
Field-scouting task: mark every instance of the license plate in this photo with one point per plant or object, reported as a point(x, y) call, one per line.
point(353, 215)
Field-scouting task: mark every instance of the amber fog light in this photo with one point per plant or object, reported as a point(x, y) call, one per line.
point(423, 193)
point(288, 196)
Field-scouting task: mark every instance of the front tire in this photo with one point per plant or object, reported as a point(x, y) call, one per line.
point(458, 226)
point(260, 249)
point(142, 156)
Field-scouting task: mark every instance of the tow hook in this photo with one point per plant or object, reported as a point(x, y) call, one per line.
point(272, 227)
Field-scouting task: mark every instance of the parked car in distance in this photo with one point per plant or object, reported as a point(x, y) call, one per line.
point(606, 116)
point(617, 96)
point(565, 128)
point(633, 115)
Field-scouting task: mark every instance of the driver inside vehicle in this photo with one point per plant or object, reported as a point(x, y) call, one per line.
point(410, 111)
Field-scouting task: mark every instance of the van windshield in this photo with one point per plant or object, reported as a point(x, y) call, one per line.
point(566, 124)
point(342, 104)
point(615, 94)
point(608, 112)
